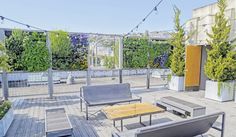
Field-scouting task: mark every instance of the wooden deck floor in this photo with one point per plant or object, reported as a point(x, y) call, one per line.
point(29, 114)
point(29, 118)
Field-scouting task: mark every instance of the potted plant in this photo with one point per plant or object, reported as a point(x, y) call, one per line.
point(6, 117)
point(220, 66)
point(6, 112)
point(177, 66)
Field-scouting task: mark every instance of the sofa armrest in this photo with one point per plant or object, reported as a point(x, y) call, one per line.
point(114, 134)
point(84, 100)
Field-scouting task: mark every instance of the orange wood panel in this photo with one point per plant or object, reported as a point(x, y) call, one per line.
point(193, 66)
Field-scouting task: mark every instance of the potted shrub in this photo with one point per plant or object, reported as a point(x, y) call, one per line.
point(220, 66)
point(6, 117)
point(177, 66)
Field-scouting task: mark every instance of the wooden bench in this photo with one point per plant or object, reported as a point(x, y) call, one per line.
point(57, 123)
point(181, 106)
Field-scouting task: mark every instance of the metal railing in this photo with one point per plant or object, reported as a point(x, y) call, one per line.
point(37, 83)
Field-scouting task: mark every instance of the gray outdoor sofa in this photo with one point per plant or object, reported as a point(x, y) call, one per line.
point(186, 128)
point(106, 95)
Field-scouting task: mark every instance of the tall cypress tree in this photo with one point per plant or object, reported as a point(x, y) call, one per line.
point(177, 41)
point(221, 57)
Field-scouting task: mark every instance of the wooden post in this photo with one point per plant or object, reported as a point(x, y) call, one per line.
point(120, 59)
point(50, 75)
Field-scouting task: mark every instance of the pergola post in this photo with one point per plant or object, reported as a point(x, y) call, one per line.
point(120, 59)
point(5, 91)
point(5, 88)
point(148, 66)
point(88, 78)
point(50, 75)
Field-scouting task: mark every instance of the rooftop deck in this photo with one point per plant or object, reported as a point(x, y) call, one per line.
point(29, 114)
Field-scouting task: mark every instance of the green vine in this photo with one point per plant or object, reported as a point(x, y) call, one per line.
point(169, 76)
point(224, 85)
point(219, 88)
point(136, 52)
point(3, 58)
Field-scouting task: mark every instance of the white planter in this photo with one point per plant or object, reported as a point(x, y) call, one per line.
point(176, 83)
point(235, 91)
point(226, 91)
point(5, 122)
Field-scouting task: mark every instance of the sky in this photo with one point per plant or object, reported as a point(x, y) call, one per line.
point(96, 16)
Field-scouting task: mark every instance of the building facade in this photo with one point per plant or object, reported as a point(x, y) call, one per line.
point(204, 17)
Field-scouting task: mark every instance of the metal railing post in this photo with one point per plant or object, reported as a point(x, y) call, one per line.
point(148, 65)
point(5, 88)
point(120, 59)
point(88, 76)
point(120, 76)
point(50, 75)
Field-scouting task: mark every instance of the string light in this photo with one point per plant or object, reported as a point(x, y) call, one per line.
point(145, 18)
point(155, 8)
point(156, 11)
point(46, 31)
point(17, 22)
point(2, 19)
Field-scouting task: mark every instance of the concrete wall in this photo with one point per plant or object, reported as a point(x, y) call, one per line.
point(204, 17)
point(203, 77)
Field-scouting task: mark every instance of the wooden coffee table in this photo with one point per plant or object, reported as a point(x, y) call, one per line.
point(120, 112)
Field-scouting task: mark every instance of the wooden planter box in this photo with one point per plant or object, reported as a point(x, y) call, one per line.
point(5, 122)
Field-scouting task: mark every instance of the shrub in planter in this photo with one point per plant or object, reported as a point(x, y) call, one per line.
point(220, 66)
point(4, 107)
point(6, 117)
point(178, 55)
